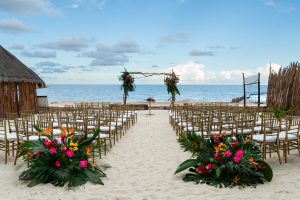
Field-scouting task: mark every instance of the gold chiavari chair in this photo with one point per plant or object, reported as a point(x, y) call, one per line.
point(4, 142)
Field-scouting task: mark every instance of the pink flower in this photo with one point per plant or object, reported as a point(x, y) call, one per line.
point(57, 164)
point(227, 153)
point(217, 140)
point(83, 163)
point(64, 149)
point(202, 170)
point(52, 150)
point(37, 154)
point(236, 159)
point(48, 143)
point(70, 153)
point(209, 166)
point(217, 156)
point(239, 153)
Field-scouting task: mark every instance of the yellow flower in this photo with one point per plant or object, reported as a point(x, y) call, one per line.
point(221, 148)
point(73, 148)
point(72, 144)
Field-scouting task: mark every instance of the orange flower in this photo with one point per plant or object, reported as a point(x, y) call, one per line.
point(30, 154)
point(251, 160)
point(94, 165)
point(221, 148)
point(47, 131)
point(88, 151)
point(247, 141)
point(71, 131)
point(63, 132)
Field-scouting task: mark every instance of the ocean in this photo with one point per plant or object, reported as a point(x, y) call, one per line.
point(113, 93)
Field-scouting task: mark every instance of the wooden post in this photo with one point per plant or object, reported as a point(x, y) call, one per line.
point(17, 99)
point(258, 92)
point(244, 86)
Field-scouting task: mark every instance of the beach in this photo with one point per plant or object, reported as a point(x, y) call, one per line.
point(143, 163)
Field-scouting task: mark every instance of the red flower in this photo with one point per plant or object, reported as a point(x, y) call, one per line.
point(236, 159)
point(52, 150)
point(38, 154)
point(209, 166)
point(227, 153)
point(239, 153)
point(57, 164)
point(217, 156)
point(64, 149)
point(202, 170)
point(48, 143)
point(234, 144)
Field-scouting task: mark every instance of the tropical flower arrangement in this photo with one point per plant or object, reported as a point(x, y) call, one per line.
point(127, 84)
point(171, 82)
point(60, 160)
point(223, 161)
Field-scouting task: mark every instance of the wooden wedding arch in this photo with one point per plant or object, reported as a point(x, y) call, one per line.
point(171, 80)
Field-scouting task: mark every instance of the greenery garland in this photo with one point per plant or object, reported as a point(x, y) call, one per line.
point(60, 160)
point(171, 82)
point(223, 161)
point(127, 84)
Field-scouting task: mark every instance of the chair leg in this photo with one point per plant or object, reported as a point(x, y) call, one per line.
point(278, 151)
point(16, 157)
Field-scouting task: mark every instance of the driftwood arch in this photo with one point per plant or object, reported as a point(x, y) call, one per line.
point(170, 80)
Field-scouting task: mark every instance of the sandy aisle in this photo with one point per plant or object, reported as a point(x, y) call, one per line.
point(143, 163)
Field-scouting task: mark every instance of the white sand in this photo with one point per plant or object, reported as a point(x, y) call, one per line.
point(143, 163)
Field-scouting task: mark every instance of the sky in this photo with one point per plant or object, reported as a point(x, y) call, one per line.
point(203, 41)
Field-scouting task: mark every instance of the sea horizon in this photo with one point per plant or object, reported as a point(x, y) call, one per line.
point(113, 93)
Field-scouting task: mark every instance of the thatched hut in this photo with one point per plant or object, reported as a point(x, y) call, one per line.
point(18, 85)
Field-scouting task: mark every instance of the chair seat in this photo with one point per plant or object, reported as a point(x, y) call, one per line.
point(36, 137)
point(260, 138)
point(10, 137)
point(244, 131)
point(101, 136)
point(91, 127)
point(120, 119)
point(290, 136)
point(258, 129)
point(56, 131)
point(190, 128)
point(218, 132)
point(55, 124)
point(106, 128)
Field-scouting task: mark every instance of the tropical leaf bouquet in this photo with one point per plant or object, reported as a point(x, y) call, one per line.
point(60, 161)
point(223, 161)
point(127, 83)
point(171, 82)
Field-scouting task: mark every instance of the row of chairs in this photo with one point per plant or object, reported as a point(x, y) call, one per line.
point(259, 124)
point(112, 121)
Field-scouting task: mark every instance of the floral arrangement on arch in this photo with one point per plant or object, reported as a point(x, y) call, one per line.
point(60, 160)
point(171, 82)
point(223, 161)
point(127, 84)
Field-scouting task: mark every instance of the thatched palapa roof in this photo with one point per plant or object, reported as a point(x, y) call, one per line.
point(13, 70)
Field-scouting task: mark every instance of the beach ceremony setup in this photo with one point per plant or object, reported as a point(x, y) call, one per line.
point(175, 99)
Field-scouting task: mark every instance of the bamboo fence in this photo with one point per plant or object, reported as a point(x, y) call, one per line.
point(284, 88)
point(17, 98)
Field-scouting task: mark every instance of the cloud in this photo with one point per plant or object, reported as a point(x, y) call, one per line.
point(116, 54)
point(68, 44)
point(17, 47)
point(202, 53)
point(154, 66)
point(215, 47)
point(279, 6)
point(48, 64)
point(174, 38)
point(39, 54)
point(236, 74)
point(191, 72)
point(52, 70)
point(29, 7)
point(89, 3)
point(13, 26)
